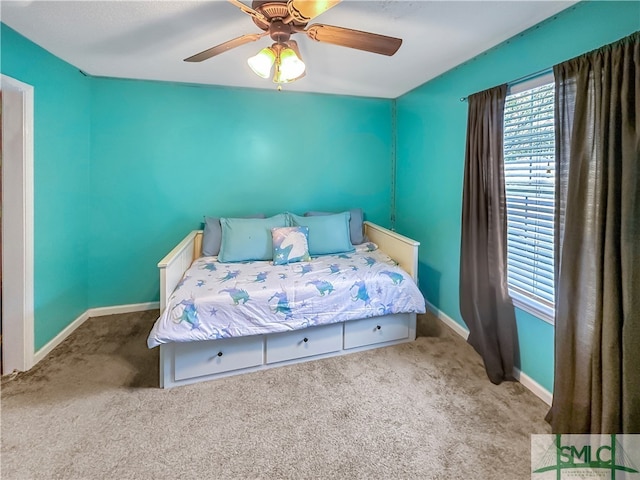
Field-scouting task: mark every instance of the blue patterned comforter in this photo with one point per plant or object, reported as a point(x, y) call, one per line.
point(220, 300)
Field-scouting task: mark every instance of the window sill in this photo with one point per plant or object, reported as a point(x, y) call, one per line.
point(536, 309)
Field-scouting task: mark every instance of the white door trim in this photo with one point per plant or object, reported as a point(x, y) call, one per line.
point(17, 226)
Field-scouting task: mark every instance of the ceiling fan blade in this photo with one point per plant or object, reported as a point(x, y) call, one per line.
point(304, 10)
point(346, 37)
point(223, 47)
point(250, 11)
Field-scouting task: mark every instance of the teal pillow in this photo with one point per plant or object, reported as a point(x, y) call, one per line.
point(290, 245)
point(327, 233)
point(212, 236)
point(356, 230)
point(245, 239)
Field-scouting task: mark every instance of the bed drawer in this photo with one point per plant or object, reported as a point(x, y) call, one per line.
point(192, 360)
point(304, 343)
point(368, 331)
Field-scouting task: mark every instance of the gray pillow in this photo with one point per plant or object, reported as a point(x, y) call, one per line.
point(356, 232)
point(212, 235)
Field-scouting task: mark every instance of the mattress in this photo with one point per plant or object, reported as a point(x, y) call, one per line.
point(221, 300)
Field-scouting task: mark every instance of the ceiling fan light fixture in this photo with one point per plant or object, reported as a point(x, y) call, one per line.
point(262, 62)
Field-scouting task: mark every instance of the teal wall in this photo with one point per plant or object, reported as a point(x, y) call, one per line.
point(163, 155)
point(431, 135)
point(123, 169)
point(61, 181)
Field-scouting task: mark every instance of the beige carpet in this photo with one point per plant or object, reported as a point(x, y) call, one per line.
point(423, 410)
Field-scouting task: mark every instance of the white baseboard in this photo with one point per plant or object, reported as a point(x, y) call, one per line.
point(528, 382)
point(538, 390)
point(58, 339)
point(92, 312)
point(450, 322)
point(133, 307)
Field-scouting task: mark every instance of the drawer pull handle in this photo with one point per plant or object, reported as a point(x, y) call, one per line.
point(378, 327)
point(305, 339)
point(219, 354)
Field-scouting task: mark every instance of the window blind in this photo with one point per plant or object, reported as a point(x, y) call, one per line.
point(529, 167)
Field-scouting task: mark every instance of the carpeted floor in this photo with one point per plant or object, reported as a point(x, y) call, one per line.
point(422, 410)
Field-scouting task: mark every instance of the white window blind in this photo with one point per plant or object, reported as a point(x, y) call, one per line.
point(529, 166)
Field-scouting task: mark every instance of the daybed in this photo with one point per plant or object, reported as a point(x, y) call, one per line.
point(205, 352)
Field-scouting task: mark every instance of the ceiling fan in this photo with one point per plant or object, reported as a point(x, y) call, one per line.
point(280, 19)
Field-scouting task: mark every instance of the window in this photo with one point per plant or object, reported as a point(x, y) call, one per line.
point(529, 168)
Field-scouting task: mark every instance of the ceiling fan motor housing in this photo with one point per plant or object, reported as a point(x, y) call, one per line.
point(279, 31)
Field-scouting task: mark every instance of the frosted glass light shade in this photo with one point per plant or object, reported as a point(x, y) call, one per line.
point(262, 62)
point(291, 67)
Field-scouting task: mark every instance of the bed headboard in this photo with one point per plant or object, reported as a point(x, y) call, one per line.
point(172, 267)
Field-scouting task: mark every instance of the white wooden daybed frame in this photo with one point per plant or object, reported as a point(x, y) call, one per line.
point(191, 362)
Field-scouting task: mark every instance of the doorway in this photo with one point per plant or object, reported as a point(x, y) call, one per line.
point(17, 310)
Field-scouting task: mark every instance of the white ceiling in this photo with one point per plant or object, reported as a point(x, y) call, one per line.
point(150, 39)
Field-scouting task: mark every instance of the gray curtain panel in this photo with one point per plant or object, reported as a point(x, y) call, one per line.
point(485, 304)
point(597, 346)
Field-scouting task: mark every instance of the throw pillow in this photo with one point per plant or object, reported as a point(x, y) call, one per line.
point(290, 245)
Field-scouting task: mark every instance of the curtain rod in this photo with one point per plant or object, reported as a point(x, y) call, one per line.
point(530, 76)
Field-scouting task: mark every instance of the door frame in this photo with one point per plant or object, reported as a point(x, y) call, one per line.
point(18, 347)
